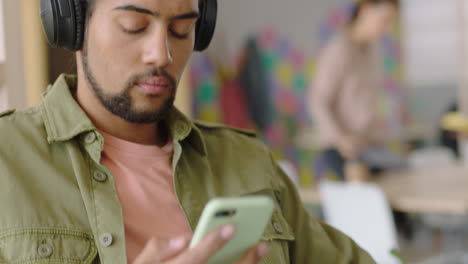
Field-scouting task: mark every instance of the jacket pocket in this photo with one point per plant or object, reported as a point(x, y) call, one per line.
point(278, 234)
point(46, 245)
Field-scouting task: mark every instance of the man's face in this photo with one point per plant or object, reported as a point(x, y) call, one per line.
point(135, 53)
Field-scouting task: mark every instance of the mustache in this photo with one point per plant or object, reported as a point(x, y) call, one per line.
point(152, 73)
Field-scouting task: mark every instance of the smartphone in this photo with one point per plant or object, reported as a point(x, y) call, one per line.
point(250, 215)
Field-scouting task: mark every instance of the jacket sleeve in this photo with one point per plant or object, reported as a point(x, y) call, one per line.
point(315, 242)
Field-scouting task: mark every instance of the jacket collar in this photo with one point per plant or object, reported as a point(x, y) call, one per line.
point(64, 119)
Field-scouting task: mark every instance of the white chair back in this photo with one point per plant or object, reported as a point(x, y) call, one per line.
point(361, 211)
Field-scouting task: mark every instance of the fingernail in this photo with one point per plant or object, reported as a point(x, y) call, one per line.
point(227, 231)
point(262, 250)
point(177, 243)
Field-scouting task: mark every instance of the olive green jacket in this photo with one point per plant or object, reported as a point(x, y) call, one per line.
point(59, 204)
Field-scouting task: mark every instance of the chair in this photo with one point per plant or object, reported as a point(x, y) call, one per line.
point(361, 211)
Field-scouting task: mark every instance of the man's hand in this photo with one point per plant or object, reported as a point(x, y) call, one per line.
point(176, 251)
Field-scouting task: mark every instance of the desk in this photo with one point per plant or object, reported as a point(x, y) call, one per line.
point(437, 190)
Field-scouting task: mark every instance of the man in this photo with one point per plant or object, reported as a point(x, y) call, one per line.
point(106, 170)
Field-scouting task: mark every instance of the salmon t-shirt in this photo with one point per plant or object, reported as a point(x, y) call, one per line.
point(144, 181)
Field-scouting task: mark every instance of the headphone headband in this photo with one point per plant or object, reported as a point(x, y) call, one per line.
point(64, 23)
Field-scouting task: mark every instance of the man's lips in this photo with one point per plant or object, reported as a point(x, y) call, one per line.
point(153, 85)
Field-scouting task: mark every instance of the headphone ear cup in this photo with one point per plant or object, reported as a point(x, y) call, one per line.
point(49, 20)
point(206, 24)
point(63, 22)
point(80, 13)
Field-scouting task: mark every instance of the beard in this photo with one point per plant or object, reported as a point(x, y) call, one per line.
point(121, 104)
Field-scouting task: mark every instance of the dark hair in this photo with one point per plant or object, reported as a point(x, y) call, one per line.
point(358, 6)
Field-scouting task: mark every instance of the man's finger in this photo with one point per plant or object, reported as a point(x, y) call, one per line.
point(174, 248)
point(211, 244)
point(147, 254)
point(158, 250)
point(254, 255)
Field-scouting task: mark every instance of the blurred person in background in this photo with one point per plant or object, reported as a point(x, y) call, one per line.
point(343, 95)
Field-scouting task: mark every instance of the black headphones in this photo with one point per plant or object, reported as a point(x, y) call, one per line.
point(64, 23)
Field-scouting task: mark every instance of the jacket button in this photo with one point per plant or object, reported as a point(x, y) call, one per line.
point(44, 250)
point(278, 228)
point(106, 240)
point(90, 138)
point(100, 176)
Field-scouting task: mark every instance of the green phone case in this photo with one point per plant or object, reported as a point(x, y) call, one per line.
point(252, 214)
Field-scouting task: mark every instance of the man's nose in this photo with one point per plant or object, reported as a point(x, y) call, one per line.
point(158, 50)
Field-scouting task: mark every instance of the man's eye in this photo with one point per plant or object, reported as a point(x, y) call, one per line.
point(180, 36)
point(134, 31)
point(132, 24)
point(181, 29)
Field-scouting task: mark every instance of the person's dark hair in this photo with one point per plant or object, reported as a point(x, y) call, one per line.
point(358, 6)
